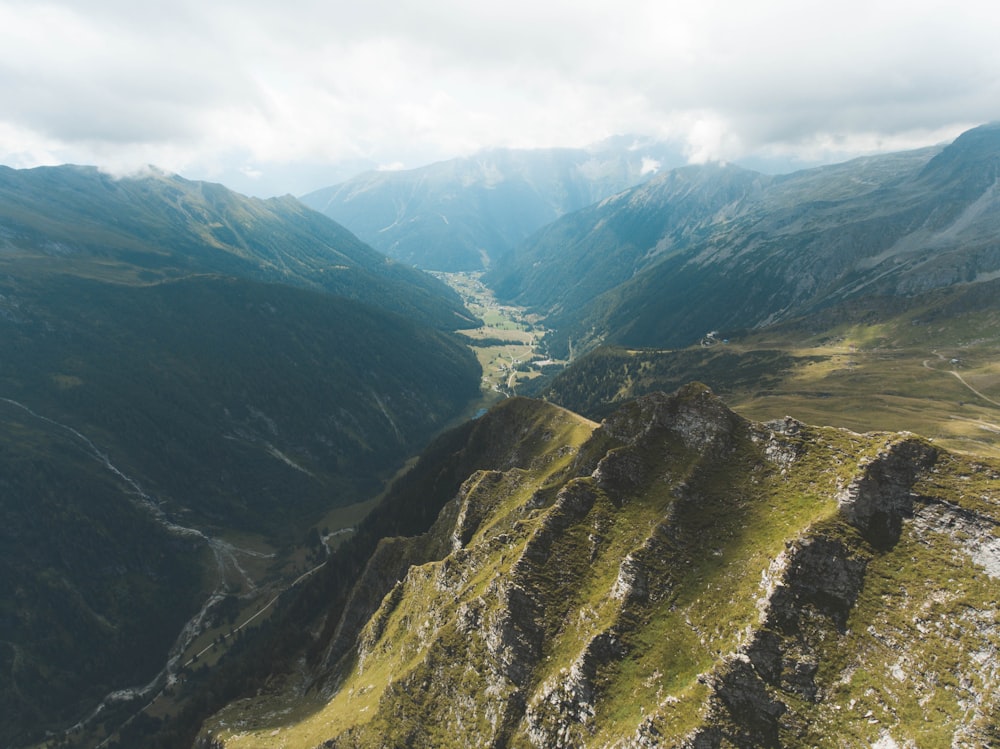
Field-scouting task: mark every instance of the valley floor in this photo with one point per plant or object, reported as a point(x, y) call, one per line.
point(509, 346)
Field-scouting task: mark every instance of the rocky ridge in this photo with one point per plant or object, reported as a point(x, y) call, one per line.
point(680, 578)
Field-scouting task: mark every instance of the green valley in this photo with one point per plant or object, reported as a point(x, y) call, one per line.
point(509, 345)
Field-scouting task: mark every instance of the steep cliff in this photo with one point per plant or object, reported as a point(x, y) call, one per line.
point(681, 578)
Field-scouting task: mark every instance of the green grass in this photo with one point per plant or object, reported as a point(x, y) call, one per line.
point(894, 374)
point(508, 340)
point(705, 528)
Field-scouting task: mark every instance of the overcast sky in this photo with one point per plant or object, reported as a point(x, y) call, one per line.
point(271, 97)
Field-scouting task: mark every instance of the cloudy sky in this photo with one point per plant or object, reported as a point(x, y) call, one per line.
point(275, 97)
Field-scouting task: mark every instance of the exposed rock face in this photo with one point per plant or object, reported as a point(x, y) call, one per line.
point(693, 415)
point(879, 498)
point(684, 578)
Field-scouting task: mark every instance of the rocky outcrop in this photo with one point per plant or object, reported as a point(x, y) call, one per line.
point(878, 499)
point(694, 415)
point(977, 534)
point(811, 591)
point(687, 579)
point(570, 700)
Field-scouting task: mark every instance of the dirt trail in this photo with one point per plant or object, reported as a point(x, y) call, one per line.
point(960, 379)
point(226, 559)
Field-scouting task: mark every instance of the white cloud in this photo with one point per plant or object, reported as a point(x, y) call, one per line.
point(252, 172)
point(205, 89)
point(650, 166)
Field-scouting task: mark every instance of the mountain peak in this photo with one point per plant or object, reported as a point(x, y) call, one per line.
point(694, 414)
point(971, 162)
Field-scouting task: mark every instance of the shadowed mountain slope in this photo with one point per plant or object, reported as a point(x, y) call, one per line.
point(189, 381)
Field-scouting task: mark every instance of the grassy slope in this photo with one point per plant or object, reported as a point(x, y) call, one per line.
point(311, 720)
point(236, 405)
point(430, 671)
point(878, 366)
point(930, 369)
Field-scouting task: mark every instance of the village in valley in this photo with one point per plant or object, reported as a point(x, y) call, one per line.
point(508, 345)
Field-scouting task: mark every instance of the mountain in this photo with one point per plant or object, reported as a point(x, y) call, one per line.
point(923, 363)
point(716, 247)
point(463, 214)
point(676, 576)
point(190, 381)
point(159, 226)
point(609, 243)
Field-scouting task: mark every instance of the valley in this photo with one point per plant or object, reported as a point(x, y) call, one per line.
point(265, 487)
point(509, 345)
point(862, 377)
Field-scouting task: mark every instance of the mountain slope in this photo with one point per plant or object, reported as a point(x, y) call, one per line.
point(155, 227)
point(463, 214)
point(606, 244)
point(707, 257)
point(177, 410)
point(682, 578)
point(94, 589)
point(218, 383)
point(234, 406)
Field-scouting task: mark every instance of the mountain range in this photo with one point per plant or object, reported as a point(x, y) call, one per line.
point(717, 247)
point(194, 384)
point(464, 214)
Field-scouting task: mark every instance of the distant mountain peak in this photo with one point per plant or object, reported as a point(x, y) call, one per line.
point(971, 161)
point(465, 213)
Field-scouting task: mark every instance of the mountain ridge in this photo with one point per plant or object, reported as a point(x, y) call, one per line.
point(465, 213)
point(643, 595)
point(159, 226)
point(900, 224)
